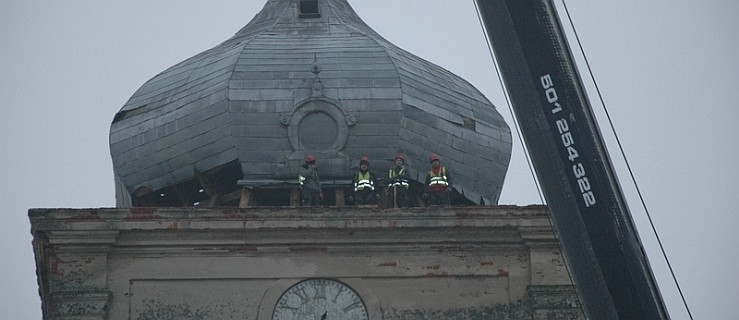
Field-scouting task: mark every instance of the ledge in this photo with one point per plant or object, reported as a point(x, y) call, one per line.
point(149, 218)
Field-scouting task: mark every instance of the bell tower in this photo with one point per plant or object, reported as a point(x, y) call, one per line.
point(206, 157)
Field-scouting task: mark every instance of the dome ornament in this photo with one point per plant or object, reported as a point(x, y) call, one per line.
point(316, 67)
point(325, 119)
point(317, 87)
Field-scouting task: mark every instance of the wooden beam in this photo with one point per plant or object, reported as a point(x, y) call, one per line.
point(246, 198)
point(295, 197)
point(339, 197)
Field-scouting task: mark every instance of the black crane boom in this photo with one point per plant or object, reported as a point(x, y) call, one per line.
point(590, 214)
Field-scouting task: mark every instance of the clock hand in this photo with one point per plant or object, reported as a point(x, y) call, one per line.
point(323, 317)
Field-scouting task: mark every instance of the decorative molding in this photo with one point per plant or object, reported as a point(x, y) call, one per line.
point(79, 305)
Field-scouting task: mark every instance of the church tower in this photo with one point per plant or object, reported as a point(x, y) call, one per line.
point(206, 157)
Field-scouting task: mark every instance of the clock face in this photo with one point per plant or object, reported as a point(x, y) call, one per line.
point(320, 299)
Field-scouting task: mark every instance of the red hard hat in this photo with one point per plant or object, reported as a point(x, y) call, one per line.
point(400, 156)
point(310, 158)
point(364, 159)
point(434, 157)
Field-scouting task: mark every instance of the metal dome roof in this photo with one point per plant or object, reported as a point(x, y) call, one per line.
point(304, 77)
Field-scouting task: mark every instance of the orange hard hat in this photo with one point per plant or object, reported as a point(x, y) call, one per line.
point(434, 157)
point(400, 156)
point(364, 159)
point(309, 158)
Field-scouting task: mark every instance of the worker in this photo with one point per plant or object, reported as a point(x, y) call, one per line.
point(310, 184)
point(438, 183)
point(398, 183)
point(363, 185)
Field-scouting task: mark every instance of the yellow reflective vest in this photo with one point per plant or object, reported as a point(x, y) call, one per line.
point(440, 179)
point(400, 181)
point(363, 181)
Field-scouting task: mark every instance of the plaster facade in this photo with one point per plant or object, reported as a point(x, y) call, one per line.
point(500, 262)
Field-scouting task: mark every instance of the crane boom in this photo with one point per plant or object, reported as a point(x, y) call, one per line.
point(599, 240)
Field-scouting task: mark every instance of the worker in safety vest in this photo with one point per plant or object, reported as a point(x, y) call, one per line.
point(310, 184)
point(397, 184)
point(438, 183)
point(363, 185)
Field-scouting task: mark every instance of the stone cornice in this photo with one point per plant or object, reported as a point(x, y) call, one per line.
point(269, 229)
point(285, 217)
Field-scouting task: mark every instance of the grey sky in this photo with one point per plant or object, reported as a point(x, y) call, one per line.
point(667, 71)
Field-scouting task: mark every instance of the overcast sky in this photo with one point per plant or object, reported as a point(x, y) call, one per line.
point(667, 70)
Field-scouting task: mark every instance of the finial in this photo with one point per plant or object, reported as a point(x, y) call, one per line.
point(316, 67)
point(317, 85)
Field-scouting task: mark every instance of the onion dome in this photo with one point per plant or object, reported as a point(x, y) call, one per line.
point(303, 77)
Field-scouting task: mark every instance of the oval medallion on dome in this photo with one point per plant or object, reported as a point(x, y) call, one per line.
point(318, 125)
point(317, 131)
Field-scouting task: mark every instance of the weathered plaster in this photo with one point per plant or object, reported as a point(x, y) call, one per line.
point(498, 262)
